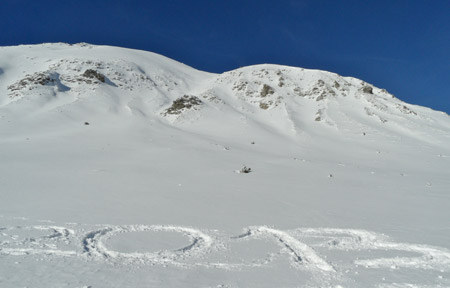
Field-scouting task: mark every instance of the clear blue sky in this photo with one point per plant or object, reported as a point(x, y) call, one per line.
point(402, 46)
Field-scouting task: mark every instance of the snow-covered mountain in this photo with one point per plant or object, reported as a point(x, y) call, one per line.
point(122, 168)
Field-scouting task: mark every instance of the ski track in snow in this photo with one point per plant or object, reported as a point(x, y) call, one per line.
point(306, 248)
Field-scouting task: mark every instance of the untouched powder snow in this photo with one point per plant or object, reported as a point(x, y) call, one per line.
point(123, 168)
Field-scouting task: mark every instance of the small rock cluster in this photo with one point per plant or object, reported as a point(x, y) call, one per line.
point(92, 74)
point(29, 81)
point(183, 103)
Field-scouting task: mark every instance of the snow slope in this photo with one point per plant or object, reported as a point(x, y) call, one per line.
point(121, 168)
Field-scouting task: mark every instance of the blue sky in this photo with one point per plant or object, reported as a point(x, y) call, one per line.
point(402, 46)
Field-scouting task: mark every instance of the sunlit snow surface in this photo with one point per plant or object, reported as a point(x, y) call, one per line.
point(101, 185)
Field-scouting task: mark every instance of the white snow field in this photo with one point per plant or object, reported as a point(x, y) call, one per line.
point(122, 168)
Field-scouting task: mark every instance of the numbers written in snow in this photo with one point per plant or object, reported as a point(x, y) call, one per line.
point(306, 248)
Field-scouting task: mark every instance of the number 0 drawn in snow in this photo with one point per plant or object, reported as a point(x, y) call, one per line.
point(94, 244)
